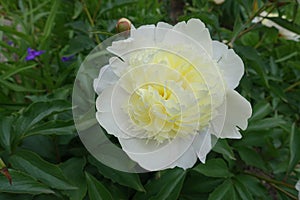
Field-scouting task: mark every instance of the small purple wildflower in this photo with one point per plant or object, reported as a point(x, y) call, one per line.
point(10, 43)
point(67, 58)
point(31, 54)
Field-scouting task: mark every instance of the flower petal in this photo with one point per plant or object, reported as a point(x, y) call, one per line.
point(197, 31)
point(238, 111)
point(121, 47)
point(141, 38)
point(187, 160)
point(117, 65)
point(107, 118)
point(202, 145)
point(105, 79)
point(144, 36)
point(152, 156)
point(164, 25)
point(230, 64)
point(161, 30)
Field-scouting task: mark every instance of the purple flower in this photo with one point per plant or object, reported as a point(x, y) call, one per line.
point(10, 43)
point(31, 54)
point(67, 58)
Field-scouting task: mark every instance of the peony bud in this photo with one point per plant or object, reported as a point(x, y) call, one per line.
point(123, 25)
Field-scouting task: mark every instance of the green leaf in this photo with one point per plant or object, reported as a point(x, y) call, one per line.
point(38, 111)
point(48, 197)
point(127, 179)
point(16, 70)
point(116, 5)
point(277, 91)
point(242, 190)
point(265, 124)
point(214, 168)
point(53, 128)
point(253, 185)
point(42, 170)
point(256, 61)
point(286, 24)
point(166, 187)
point(294, 147)
point(73, 170)
point(193, 187)
point(10, 30)
point(96, 189)
point(5, 132)
point(23, 183)
point(223, 148)
point(77, 9)
point(251, 157)
point(17, 88)
point(223, 191)
point(50, 22)
point(80, 43)
point(12, 196)
point(261, 110)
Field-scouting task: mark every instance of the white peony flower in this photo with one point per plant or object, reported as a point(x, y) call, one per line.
point(169, 93)
point(283, 32)
point(298, 188)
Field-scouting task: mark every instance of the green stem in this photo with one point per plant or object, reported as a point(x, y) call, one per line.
point(275, 183)
point(90, 19)
point(271, 180)
point(292, 86)
point(242, 31)
point(283, 191)
point(97, 9)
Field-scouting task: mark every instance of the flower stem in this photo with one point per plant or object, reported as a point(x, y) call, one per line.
point(292, 86)
point(242, 30)
point(283, 191)
point(97, 9)
point(275, 183)
point(86, 10)
point(271, 180)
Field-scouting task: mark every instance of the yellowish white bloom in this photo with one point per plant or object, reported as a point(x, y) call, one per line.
point(283, 32)
point(169, 93)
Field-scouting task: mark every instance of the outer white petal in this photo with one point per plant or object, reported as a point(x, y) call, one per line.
point(153, 157)
point(219, 49)
point(103, 102)
point(117, 65)
point(164, 25)
point(161, 30)
point(238, 111)
point(202, 145)
point(195, 29)
point(140, 38)
point(187, 160)
point(230, 64)
point(121, 47)
point(105, 79)
point(105, 115)
point(144, 36)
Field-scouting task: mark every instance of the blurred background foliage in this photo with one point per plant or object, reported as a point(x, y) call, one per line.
point(38, 141)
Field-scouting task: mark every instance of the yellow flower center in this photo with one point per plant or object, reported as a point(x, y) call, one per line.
point(169, 96)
